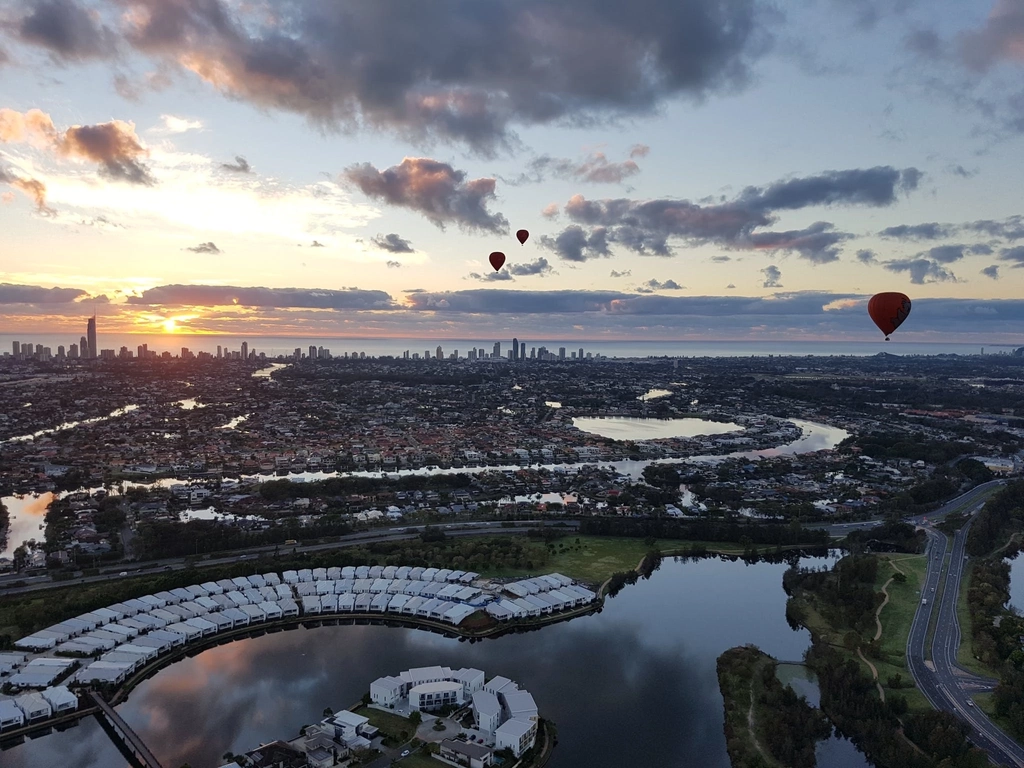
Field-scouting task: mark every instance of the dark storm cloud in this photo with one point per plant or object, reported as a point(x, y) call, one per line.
point(204, 248)
point(930, 231)
point(921, 271)
point(454, 69)
point(539, 267)
point(991, 271)
point(241, 165)
point(866, 256)
point(34, 294)
point(434, 189)
point(576, 244)
point(66, 30)
point(226, 295)
point(392, 243)
point(772, 277)
point(1014, 255)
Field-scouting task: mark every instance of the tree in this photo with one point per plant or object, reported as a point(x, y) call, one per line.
point(416, 718)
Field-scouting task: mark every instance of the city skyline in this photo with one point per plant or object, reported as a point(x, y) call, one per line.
point(760, 185)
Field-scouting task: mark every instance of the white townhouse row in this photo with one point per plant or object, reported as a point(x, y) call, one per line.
point(33, 707)
point(116, 640)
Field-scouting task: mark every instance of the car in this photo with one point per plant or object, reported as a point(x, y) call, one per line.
point(242, 557)
point(123, 573)
point(405, 753)
point(970, 703)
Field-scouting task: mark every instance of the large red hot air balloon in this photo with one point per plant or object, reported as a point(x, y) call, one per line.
point(523, 236)
point(889, 310)
point(497, 259)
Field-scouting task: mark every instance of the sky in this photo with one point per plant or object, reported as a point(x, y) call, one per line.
point(706, 169)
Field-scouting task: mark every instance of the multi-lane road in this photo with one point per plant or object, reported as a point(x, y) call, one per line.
point(945, 684)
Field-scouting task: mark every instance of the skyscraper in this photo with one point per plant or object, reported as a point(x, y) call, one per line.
point(83, 348)
point(440, 353)
point(581, 353)
point(515, 349)
point(90, 331)
point(522, 350)
point(245, 350)
point(561, 353)
point(497, 350)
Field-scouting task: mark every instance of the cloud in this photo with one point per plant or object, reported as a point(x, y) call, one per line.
point(434, 189)
point(930, 231)
point(866, 256)
point(730, 286)
point(317, 244)
point(772, 276)
point(392, 243)
point(639, 150)
point(1010, 228)
point(1015, 255)
point(66, 30)
point(944, 254)
point(491, 277)
point(454, 71)
point(817, 243)
point(204, 248)
point(550, 211)
point(623, 273)
point(576, 244)
point(34, 189)
point(241, 165)
point(539, 267)
point(721, 258)
point(113, 145)
point(657, 285)
point(645, 226)
point(958, 170)
point(991, 271)
point(921, 270)
point(595, 168)
point(1001, 37)
point(393, 264)
point(34, 294)
point(172, 124)
point(226, 296)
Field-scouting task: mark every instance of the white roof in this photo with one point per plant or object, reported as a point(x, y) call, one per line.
point(486, 703)
point(349, 718)
point(514, 729)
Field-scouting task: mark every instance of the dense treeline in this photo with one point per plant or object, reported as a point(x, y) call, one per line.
point(849, 698)
point(903, 445)
point(619, 579)
point(784, 722)
point(893, 536)
point(845, 596)
point(1002, 515)
point(701, 530)
point(27, 613)
point(5, 519)
point(167, 538)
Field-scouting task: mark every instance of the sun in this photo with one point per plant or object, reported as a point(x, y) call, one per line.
point(170, 326)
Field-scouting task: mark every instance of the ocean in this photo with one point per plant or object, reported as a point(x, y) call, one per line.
point(276, 345)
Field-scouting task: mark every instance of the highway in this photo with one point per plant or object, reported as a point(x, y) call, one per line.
point(945, 684)
point(388, 534)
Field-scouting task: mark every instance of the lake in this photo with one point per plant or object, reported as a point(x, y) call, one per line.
point(632, 685)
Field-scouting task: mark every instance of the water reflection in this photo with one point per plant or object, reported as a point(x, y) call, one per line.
point(1017, 583)
point(633, 685)
point(629, 428)
point(26, 514)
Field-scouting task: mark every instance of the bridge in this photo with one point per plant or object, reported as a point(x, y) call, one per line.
point(122, 734)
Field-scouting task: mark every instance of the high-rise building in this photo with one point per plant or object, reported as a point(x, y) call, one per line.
point(561, 353)
point(220, 352)
point(17, 349)
point(90, 331)
point(60, 350)
point(580, 355)
point(440, 353)
point(245, 350)
point(497, 350)
point(312, 351)
point(73, 352)
point(83, 348)
point(522, 350)
point(515, 349)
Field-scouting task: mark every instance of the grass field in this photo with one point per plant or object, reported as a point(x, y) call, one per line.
point(389, 724)
point(896, 618)
point(594, 558)
point(418, 760)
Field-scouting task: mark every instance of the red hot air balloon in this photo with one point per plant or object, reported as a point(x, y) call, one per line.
point(497, 259)
point(523, 236)
point(889, 310)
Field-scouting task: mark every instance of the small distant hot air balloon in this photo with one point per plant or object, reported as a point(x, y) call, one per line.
point(523, 236)
point(497, 259)
point(889, 310)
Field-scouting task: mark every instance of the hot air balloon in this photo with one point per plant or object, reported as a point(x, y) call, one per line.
point(889, 310)
point(523, 236)
point(497, 259)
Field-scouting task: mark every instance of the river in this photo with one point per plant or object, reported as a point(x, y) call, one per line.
point(1017, 583)
point(632, 685)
